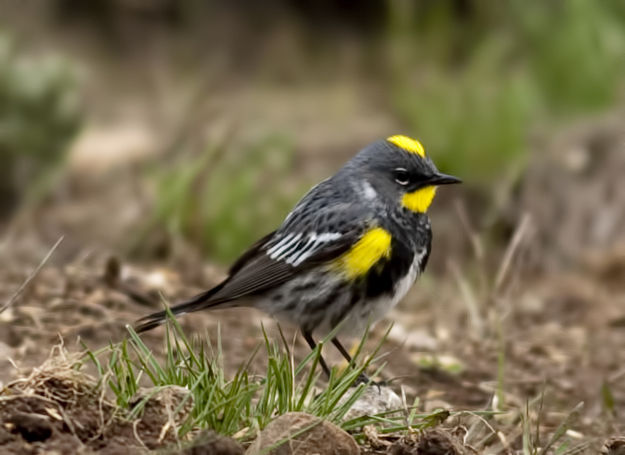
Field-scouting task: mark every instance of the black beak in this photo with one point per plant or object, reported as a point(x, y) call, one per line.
point(443, 179)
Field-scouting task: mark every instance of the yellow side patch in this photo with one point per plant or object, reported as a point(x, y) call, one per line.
point(374, 245)
point(408, 144)
point(420, 200)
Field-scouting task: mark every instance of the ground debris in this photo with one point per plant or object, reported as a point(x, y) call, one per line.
point(167, 407)
point(58, 408)
point(436, 441)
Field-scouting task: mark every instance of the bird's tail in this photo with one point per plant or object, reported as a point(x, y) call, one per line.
point(199, 302)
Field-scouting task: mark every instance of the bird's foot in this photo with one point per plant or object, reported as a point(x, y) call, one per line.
point(364, 379)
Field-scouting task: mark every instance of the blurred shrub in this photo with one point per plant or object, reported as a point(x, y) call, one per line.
point(574, 50)
point(222, 199)
point(472, 83)
point(38, 117)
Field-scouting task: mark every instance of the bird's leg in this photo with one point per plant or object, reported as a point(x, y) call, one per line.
point(342, 350)
point(362, 378)
point(311, 342)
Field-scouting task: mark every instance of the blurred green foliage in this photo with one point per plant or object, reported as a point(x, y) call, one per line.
point(223, 201)
point(473, 84)
point(471, 79)
point(39, 116)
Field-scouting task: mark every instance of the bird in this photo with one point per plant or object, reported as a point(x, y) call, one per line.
point(345, 255)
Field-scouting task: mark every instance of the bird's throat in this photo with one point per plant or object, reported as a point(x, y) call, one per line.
point(419, 200)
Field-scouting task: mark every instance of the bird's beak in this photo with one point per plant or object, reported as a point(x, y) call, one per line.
point(443, 179)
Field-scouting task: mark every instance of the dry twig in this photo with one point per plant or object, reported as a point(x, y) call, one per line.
point(31, 277)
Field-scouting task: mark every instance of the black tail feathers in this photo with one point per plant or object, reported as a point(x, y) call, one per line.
point(197, 303)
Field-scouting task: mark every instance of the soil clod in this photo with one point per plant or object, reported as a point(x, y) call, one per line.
point(298, 433)
point(32, 427)
point(211, 443)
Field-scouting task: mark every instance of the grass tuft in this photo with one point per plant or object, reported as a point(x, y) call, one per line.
point(243, 403)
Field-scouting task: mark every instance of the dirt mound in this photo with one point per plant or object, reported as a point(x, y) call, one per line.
point(57, 408)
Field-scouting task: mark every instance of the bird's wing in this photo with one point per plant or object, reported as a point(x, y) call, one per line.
point(279, 257)
point(276, 258)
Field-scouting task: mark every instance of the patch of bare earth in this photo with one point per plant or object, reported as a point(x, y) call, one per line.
point(563, 338)
point(57, 408)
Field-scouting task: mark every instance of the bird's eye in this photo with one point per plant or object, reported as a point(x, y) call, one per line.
point(401, 176)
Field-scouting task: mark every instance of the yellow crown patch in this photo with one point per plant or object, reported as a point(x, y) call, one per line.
point(408, 144)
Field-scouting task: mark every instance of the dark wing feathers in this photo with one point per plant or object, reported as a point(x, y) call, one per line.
point(259, 274)
point(213, 297)
point(252, 273)
point(332, 250)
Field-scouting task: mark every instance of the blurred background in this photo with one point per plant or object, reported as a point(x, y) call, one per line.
point(162, 137)
point(131, 122)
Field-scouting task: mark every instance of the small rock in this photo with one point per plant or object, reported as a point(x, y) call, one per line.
point(211, 443)
point(303, 434)
point(374, 400)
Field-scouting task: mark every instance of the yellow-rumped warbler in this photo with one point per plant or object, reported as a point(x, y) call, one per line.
point(349, 251)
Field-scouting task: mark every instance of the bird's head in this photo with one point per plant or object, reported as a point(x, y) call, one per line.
point(399, 170)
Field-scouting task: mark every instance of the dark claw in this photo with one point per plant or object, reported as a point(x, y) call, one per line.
point(364, 379)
